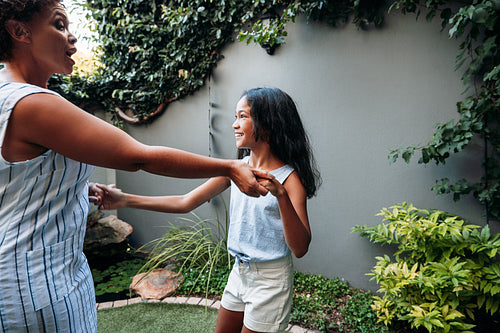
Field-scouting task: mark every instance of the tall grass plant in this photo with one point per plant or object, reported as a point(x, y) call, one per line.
point(196, 247)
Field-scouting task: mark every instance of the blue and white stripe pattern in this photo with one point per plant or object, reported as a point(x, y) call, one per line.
point(45, 280)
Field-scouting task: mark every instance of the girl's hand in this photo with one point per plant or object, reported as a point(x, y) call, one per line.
point(273, 186)
point(247, 179)
point(112, 197)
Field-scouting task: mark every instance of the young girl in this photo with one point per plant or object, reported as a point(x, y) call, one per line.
point(263, 231)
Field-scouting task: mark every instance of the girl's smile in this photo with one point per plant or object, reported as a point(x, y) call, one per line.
point(243, 125)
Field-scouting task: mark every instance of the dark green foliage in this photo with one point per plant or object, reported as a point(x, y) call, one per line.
point(330, 305)
point(116, 278)
point(315, 300)
point(323, 288)
point(154, 52)
point(359, 315)
point(193, 282)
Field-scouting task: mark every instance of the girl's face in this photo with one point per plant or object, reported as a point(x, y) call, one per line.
point(52, 44)
point(243, 125)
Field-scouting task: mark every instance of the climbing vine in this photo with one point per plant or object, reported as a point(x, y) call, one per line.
point(156, 51)
point(477, 25)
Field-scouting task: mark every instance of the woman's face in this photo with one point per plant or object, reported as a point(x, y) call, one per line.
point(52, 44)
point(243, 125)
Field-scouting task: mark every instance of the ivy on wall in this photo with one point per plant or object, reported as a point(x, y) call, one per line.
point(156, 51)
point(477, 25)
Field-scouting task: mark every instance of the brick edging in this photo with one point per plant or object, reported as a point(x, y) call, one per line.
point(185, 300)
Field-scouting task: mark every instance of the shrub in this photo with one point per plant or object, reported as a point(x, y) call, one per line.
point(443, 270)
point(195, 281)
point(359, 315)
point(315, 300)
point(330, 305)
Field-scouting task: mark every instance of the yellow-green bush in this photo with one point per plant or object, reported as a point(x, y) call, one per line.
point(442, 272)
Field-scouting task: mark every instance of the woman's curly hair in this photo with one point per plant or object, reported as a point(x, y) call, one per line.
point(18, 10)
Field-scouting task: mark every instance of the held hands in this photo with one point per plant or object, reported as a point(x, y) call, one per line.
point(248, 179)
point(95, 194)
point(273, 186)
point(111, 197)
point(251, 181)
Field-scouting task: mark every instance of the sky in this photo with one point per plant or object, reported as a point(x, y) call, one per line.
point(79, 26)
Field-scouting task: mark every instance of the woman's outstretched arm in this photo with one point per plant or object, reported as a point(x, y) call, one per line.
point(45, 121)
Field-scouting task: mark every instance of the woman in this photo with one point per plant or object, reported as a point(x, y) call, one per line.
point(47, 146)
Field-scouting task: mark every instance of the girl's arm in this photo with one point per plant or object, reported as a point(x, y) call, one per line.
point(292, 203)
point(45, 121)
point(114, 198)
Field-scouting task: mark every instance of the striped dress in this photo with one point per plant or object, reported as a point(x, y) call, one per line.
point(45, 280)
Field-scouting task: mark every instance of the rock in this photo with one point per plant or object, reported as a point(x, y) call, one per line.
point(158, 284)
point(106, 241)
point(93, 217)
point(107, 230)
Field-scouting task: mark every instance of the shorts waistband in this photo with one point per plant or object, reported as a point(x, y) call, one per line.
point(265, 264)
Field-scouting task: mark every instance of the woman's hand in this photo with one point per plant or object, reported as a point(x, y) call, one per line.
point(248, 179)
point(112, 197)
point(95, 194)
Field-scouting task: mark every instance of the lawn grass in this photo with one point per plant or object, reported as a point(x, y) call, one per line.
point(157, 317)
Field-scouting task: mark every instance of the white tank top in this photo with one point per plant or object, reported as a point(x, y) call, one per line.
point(256, 230)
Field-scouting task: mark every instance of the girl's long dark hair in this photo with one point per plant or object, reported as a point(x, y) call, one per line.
point(276, 120)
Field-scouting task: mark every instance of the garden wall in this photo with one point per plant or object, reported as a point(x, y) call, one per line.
point(360, 93)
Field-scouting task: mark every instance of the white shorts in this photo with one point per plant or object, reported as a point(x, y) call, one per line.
point(263, 291)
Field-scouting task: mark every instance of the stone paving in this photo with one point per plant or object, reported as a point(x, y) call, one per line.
point(186, 300)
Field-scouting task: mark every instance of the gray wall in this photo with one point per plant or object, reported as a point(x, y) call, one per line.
point(359, 93)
